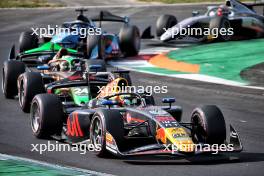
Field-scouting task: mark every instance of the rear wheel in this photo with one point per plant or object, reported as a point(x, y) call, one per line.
point(27, 41)
point(129, 38)
point(208, 125)
point(219, 23)
point(46, 115)
point(29, 85)
point(106, 121)
point(92, 42)
point(11, 71)
point(165, 22)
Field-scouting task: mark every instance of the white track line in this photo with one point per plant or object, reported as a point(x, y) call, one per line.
point(196, 77)
point(55, 166)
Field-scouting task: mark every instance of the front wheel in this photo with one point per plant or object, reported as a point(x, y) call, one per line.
point(103, 123)
point(27, 41)
point(208, 125)
point(129, 39)
point(165, 22)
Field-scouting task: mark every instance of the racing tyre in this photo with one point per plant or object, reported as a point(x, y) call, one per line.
point(129, 40)
point(91, 43)
point(219, 23)
point(165, 21)
point(106, 121)
point(27, 41)
point(46, 115)
point(96, 62)
point(208, 125)
point(29, 85)
point(11, 71)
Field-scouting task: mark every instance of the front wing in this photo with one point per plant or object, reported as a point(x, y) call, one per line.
point(160, 149)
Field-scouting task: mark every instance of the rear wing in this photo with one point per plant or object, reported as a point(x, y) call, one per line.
point(245, 7)
point(107, 16)
point(257, 3)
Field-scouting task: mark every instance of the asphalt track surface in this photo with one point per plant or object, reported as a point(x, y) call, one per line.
point(243, 108)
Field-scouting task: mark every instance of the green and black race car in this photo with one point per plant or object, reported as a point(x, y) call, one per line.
point(68, 77)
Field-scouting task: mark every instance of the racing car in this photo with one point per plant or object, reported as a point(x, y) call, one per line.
point(129, 124)
point(28, 62)
point(239, 20)
point(100, 44)
point(34, 52)
point(66, 77)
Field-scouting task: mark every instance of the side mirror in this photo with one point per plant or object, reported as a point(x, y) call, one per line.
point(43, 67)
point(126, 19)
point(168, 100)
point(195, 13)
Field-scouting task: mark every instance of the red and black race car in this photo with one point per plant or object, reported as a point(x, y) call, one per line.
point(129, 124)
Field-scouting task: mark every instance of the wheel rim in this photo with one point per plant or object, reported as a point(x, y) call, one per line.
point(226, 25)
point(35, 118)
point(198, 133)
point(21, 93)
point(3, 81)
point(97, 132)
point(137, 41)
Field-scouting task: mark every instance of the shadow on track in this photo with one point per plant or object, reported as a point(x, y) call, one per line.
point(197, 160)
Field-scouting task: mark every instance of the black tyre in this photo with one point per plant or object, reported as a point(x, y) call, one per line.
point(219, 23)
point(96, 62)
point(27, 41)
point(29, 85)
point(208, 125)
point(93, 41)
point(165, 22)
point(129, 40)
point(11, 71)
point(46, 115)
point(109, 120)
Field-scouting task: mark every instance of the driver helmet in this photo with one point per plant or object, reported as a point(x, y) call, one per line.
point(122, 100)
point(222, 9)
point(62, 52)
point(64, 66)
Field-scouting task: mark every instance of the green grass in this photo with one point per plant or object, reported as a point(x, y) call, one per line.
point(27, 3)
point(185, 1)
point(223, 60)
